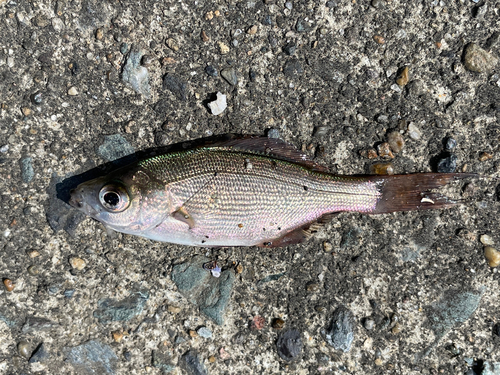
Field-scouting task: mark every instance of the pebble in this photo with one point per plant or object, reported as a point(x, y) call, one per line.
point(239, 268)
point(224, 49)
point(204, 36)
point(172, 44)
point(379, 39)
point(293, 68)
point(113, 310)
point(26, 111)
point(99, 34)
point(69, 293)
point(39, 354)
point(252, 30)
point(403, 77)
point(396, 141)
point(123, 48)
point(9, 285)
point(33, 270)
point(289, 345)
point(77, 263)
point(27, 172)
point(135, 75)
point(485, 156)
point(378, 4)
point(211, 71)
point(302, 26)
point(447, 164)
point(173, 309)
point(414, 132)
point(218, 105)
point(37, 324)
point(191, 364)
point(496, 329)
point(382, 169)
point(257, 323)
point(371, 153)
point(478, 60)
point(289, 5)
point(492, 256)
point(450, 144)
point(204, 332)
point(384, 151)
point(230, 75)
point(278, 323)
point(176, 86)
point(312, 287)
point(146, 60)
point(290, 48)
point(267, 20)
point(37, 98)
point(72, 91)
point(327, 247)
point(4, 149)
point(92, 357)
point(486, 240)
point(114, 147)
point(340, 335)
point(23, 348)
point(369, 324)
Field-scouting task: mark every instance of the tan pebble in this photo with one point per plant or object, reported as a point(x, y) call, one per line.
point(485, 156)
point(382, 169)
point(168, 61)
point(396, 141)
point(72, 91)
point(239, 268)
point(217, 13)
point(211, 359)
point(193, 333)
point(486, 240)
point(327, 247)
point(9, 285)
point(492, 255)
point(209, 15)
point(99, 34)
point(223, 48)
point(204, 36)
point(379, 362)
point(403, 77)
point(174, 309)
point(117, 336)
point(379, 39)
point(26, 111)
point(34, 254)
point(23, 348)
point(252, 30)
point(414, 132)
point(371, 153)
point(478, 60)
point(77, 263)
point(384, 151)
point(438, 45)
point(33, 270)
point(396, 329)
point(278, 323)
point(314, 44)
point(172, 44)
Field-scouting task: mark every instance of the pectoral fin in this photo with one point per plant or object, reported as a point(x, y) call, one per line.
point(182, 215)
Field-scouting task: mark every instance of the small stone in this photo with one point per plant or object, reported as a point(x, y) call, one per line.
point(239, 268)
point(33, 270)
point(146, 60)
point(172, 44)
point(37, 324)
point(371, 153)
point(112, 310)
point(176, 85)
point(230, 75)
point(204, 36)
point(267, 20)
point(204, 332)
point(379, 362)
point(23, 348)
point(39, 354)
point(77, 263)
point(37, 98)
point(382, 169)
point(211, 71)
point(40, 21)
point(492, 256)
point(378, 4)
point(4, 149)
point(485, 156)
point(92, 357)
point(403, 77)
point(99, 34)
point(72, 91)
point(450, 144)
point(302, 26)
point(68, 293)
point(173, 309)
point(379, 39)
point(486, 240)
point(289, 5)
point(290, 48)
point(340, 335)
point(384, 151)
point(135, 75)
point(278, 323)
point(382, 119)
point(327, 247)
point(114, 147)
point(224, 49)
point(252, 30)
point(396, 329)
point(192, 333)
point(396, 141)
point(293, 68)
point(369, 324)
point(447, 164)
point(123, 48)
point(289, 345)
point(9, 285)
point(219, 105)
point(217, 13)
point(191, 364)
point(117, 336)
point(414, 132)
point(26, 111)
point(478, 60)
point(257, 323)
point(496, 329)
point(312, 287)
point(211, 359)
point(209, 15)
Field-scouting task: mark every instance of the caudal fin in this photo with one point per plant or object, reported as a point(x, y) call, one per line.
point(415, 192)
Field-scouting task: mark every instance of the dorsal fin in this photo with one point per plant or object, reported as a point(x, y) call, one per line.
point(272, 147)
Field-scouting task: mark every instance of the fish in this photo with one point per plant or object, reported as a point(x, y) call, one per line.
point(246, 191)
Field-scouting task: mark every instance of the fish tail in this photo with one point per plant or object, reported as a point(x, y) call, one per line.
point(415, 192)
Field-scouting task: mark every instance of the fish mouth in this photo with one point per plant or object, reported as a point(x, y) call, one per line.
point(78, 201)
point(75, 200)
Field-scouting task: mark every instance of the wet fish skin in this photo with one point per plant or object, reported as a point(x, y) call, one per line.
point(243, 193)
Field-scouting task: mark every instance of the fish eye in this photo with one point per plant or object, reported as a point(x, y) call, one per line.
point(114, 198)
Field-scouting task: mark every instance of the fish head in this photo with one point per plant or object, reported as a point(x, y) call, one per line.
point(125, 202)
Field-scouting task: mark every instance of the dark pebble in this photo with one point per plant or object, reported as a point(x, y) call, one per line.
point(293, 68)
point(127, 355)
point(92, 357)
point(146, 60)
point(230, 75)
point(39, 354)
point(496, 329)
point(74, 68)
point(211, 71)
point(331, 4)
point(37, 98)
point(290, 48)
point(191, 364)
point(340, 335)
point(175, 85)
point(123, 48)
point(450, 144)
point(111, 310)
point(289, 345)
point(27, 172)
point(302, 26)
point(252, 74)
point(369, 324)
point(447, 164)
point(267, 20)
point(278, 323)
point(68, 293)
point(36, 324)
